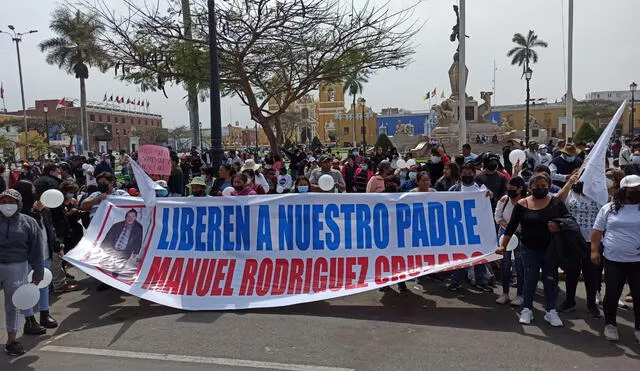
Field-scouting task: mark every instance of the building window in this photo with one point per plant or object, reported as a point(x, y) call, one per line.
point(131, 121)
point(92, 117)
point(122, 120)
point(100, 118)
point(108, 118)
point(124, 131)
point(346, 130)
point(146, 122)
point(139, 121)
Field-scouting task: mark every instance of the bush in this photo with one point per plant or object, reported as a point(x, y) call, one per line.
point(316, 144)
point(384, 142)
point(586, 133)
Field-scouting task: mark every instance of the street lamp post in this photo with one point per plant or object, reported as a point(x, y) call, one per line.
point(217, 150)
point(200, 126)
point(527, 75)
point(363, 103)
point(45, 109)
point(17, 37)
point(633, 88)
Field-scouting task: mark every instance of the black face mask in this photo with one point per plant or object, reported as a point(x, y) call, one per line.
point(512, 193)
point(540, 192)
point(467, 179)
point(199, 193)
point(103, 188)
point(578, 187)
point(633, 197)
point(492, 166)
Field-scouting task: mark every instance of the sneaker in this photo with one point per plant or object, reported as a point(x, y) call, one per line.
point(517, 301)
point(503, 299)
point(611, 333)
point(526, 316)
point(595, 312)
point(567, 307)
point(553, 319)
point(485, 287)
point(14, 348)
point(598, 298)
point(453, 286)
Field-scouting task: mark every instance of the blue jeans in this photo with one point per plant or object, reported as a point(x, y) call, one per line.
point(506, 265)
point(480, 271)
point(43, 303)
point(534, 261)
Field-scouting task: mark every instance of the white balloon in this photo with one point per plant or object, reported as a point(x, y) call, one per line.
point(411, 162)
point(52, 198)
point(26, 296)
point(326, 182)
point(401, 164)
point(227, 191)
point(513, 242)
point(279, 189)
point(48, 276)
point(517, 154)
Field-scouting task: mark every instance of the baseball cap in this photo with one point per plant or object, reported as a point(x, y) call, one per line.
point(12, 193)
point(323, 159)
point(630, 181)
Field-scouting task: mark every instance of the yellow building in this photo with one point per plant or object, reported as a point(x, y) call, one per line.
point(335, 122)
point(549, 116)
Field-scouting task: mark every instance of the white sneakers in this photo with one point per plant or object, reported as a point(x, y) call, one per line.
point(526, 316)
point(611, 333)
point(517, 301)
point(553, 318)
point(503, 299)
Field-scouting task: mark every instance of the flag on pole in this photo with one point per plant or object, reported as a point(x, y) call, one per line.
point(593, 169)
point(118, 99)
point(428, 96)
point(105, 97)
point(62, 103)
point(1, 90)
point(111, 98)
point(442, 95)
point(433, 94)
point(147, 103)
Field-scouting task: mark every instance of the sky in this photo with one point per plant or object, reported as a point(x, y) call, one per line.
point(605, 47)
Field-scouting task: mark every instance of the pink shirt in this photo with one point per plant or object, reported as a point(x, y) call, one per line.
point(376, 184)
point(247, 191)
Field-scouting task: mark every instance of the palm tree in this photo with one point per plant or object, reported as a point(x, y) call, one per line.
point(353, 83)
point(523, 54)
point(75, 48)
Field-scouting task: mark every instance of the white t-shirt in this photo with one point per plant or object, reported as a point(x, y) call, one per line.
point(473, 188)
point(621, 232)
point(285, 181)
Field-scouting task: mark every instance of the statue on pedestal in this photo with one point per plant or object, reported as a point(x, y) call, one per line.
point(485, 108)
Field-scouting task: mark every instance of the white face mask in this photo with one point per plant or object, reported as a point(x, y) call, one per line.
point(8, 210)
point(435, 159)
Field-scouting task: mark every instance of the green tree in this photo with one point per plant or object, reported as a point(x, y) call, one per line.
point(74, 49)
point(7, 146)
point(595, 111)
point(523, 54)
point(316, 144)
point(353, 84)
point(384, 142)
point(271, 53)
point(585, 133)
point(37, 145)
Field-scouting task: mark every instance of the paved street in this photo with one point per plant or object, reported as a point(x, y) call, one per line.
point(371, 331)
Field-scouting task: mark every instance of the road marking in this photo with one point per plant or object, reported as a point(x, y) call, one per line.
point(189, 359)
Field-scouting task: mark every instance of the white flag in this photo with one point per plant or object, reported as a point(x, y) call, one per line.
point(145, 184)
point(593, 169)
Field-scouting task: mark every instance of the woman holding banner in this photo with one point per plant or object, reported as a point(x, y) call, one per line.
point(535, 214)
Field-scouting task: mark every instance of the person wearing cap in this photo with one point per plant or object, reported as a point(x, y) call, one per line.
point(335, 164)
point(556, 150)
point(20, 247)
point(562, 166)
point(27, 173)
point(620, 219)
point(544, 155)
point(198, 187)
point(325, 168)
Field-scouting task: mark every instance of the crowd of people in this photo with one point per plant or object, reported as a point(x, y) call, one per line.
point(541, 201)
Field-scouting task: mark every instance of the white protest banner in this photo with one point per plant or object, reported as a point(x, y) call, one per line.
point(241, 252)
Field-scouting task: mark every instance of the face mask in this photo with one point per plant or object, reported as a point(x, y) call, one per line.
point(413, 175)
point(636, 160)
point(238, 188)
point(578, 187)
point(103, 188)
point(200, 193)
point(70, 195)
point(435, 159)
point(633, 197)
point(31, 163)
point(36, 163)
point(356, 154)
point(569, 159)
point(162, 192)
point(364, 167)
point(492, 166)
point(544, 151)
point(467, 179)
point(540, 192)
point(303, 189)
point(609, 183)
point(8, 209)
point(512, 193)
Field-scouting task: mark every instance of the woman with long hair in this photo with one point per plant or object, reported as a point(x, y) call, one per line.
point(535, 214)
point(620, 219)
point(451, 176)
point(241, 186)
point(516, 191)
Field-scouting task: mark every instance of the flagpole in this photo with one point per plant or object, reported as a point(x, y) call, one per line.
point(462, 74)
point(569, 98)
